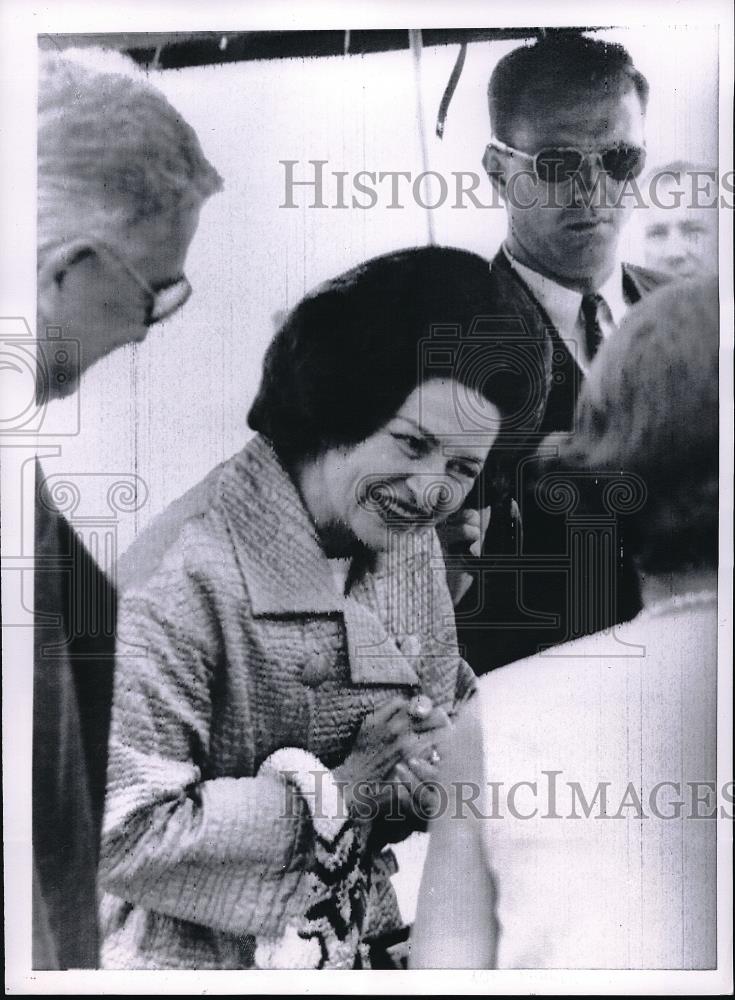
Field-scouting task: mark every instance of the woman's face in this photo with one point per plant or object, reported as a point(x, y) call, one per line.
point(414, 471)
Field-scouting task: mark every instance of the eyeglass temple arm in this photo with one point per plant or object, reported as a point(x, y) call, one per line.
point(505, 148)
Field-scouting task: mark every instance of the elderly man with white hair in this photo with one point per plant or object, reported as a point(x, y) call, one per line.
point(121, 180)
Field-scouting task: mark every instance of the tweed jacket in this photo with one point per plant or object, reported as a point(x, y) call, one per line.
point(234, 642)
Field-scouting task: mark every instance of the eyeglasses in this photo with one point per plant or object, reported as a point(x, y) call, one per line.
point(165, 299)
point(559, 164)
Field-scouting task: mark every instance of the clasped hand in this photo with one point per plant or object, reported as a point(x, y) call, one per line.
point(397, 752)
point(462, 536)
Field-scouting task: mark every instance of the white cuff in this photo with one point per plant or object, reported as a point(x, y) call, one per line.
point(315, 783)
point(327, 935)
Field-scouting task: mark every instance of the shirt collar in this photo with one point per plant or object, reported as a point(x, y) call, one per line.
point(612, 293)
point(563, 304)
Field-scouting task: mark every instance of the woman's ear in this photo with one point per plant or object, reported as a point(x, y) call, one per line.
point(494, 166)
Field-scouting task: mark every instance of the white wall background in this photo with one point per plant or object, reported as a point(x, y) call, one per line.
point(175, 406)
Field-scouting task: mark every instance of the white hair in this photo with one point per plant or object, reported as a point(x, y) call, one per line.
point(112, 150)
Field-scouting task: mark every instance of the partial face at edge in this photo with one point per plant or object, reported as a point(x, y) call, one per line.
point(680, 238)
point(92, 298)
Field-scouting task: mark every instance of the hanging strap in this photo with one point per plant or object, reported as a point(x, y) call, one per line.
point(449, 90)
point(415, 44)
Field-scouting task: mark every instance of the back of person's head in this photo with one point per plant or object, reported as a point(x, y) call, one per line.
point(650, 407)
point(561, 65)
point(348, 356)
point(112, 151)
point(680, 184)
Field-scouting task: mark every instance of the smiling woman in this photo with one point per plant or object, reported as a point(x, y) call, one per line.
point(411, 473)
point(267, 719)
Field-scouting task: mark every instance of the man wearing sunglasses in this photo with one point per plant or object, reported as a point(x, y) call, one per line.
point(567, 118)
point(121, 180)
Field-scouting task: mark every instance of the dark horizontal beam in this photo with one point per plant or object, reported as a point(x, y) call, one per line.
point(315, 44)
point(175, 50)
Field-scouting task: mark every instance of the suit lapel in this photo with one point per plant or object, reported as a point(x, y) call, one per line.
point(565, 375)
point(638, 281)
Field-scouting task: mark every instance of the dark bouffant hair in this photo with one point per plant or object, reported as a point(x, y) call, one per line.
point(347, 357)
point(650, 406)
point(525, 80)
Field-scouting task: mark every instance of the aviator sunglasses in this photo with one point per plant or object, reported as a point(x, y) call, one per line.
point(559, 164)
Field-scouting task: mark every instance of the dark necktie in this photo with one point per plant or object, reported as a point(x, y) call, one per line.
point(592, 330)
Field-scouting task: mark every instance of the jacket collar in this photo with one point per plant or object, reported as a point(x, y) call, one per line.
point(275, 540)
point(287, 572)
point(636, 281)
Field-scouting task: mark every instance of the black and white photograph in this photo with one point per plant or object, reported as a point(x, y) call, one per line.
point(367, 460)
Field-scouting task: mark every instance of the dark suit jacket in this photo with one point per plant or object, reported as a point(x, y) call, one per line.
point(521, 601)
point(72, 696)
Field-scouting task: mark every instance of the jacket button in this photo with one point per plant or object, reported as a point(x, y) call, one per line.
point(316, 670)
point(409, 645)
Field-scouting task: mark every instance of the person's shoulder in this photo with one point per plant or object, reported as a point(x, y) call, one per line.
point(501, 272)
point(513, 298)
point(548, 680)
point(175, 529)
point(542, 705)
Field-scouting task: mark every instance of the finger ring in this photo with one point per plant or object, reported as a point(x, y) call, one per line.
point(434, 756)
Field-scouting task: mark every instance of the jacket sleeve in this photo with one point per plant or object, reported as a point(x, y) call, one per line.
point(228, 853)
point(466, 684)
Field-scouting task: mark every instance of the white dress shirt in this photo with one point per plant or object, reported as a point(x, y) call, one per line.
point(564, 306)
